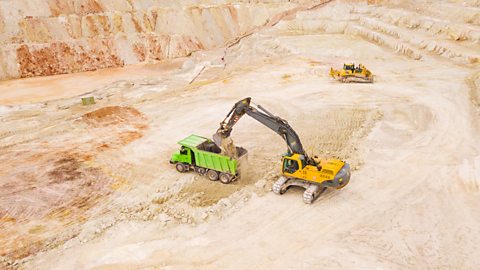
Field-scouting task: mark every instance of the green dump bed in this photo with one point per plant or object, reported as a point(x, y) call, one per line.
point(207, 155)
point(215, 162)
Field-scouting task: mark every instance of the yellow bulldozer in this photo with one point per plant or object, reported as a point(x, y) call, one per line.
point(352, 73)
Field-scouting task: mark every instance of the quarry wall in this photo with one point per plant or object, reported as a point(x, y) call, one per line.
point(47, 37)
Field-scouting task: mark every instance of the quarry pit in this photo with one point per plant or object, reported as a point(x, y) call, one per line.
point(90, 187)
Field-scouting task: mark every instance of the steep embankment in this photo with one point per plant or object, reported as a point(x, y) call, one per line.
point(40, 38)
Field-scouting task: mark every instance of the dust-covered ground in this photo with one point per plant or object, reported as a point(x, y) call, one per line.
point(90, 187)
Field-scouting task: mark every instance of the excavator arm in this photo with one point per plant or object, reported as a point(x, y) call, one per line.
point(275, 123)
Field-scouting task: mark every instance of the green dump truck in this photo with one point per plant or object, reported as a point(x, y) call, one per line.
point(204, 157)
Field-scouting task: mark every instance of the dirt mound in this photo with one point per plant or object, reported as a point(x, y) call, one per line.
point(128, 122)
point(112, 115)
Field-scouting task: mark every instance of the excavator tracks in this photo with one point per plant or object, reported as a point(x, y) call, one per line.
point(279, 186)
point(310, 194)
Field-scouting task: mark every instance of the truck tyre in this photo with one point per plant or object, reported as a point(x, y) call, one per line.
point(200, 170)
point(181, 168)
point(212, 175)
point(225, 178)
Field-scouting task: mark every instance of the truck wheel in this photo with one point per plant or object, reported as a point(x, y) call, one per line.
point(181, 168)
point(225, 178)
point(212, 175)
point(200, 170)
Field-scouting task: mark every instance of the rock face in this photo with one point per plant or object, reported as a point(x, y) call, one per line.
point(39, 37)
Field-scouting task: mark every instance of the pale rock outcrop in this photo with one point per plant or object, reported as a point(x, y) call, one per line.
point(55, 37)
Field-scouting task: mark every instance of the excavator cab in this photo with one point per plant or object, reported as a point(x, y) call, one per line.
point(293, 163)
point(290, 166)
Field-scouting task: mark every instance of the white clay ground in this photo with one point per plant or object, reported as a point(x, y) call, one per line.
point(412, 137)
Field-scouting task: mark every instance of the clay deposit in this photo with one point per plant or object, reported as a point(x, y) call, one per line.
point(57, 37)
point(90, 187)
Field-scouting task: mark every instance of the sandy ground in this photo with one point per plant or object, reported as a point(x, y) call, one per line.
point(412, 138)
point(43, 89)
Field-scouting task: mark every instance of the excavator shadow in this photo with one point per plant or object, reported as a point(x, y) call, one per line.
point(324, 194)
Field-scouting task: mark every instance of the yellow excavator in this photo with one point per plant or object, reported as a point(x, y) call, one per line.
point(352, 73)
point(298, 169)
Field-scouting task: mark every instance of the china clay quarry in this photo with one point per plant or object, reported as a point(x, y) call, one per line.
point(91, 187)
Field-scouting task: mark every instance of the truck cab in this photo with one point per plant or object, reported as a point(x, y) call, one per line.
point(183, 155)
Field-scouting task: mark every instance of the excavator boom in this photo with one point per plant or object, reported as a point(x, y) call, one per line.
point(275, 123)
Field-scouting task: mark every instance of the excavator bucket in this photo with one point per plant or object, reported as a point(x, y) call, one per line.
point(222, 137)
point(226, 145)
point(217, 139)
